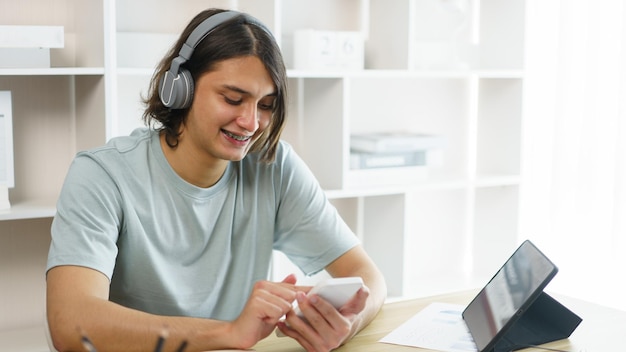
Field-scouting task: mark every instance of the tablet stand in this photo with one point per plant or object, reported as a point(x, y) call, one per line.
point(546, 320)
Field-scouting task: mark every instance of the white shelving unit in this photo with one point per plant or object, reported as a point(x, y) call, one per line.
point(430, 66)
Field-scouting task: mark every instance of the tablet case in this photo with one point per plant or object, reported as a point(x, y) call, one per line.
point(537, 320)
point(546, 320)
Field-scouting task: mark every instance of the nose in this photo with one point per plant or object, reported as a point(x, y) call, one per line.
point(249, 117)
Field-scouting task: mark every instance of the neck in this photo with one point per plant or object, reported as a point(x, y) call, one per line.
point(191, 166)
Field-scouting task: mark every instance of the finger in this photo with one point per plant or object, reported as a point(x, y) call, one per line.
point(326, 319)
point(357, 303)
point(268, 307)
point(288, 331)
point(304, 289)
point(317, 316)
point(286, 292)
point(290, 279)
point(298, 329)
point(271, 301)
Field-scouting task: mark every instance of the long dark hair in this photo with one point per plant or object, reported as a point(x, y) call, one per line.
point(234, 38)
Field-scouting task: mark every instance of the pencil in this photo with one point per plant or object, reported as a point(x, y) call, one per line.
point(182, 347)
point(89, 347)
point(161, 341)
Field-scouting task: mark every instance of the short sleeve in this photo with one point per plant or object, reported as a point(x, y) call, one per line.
point(309, 230)
point(86, 226)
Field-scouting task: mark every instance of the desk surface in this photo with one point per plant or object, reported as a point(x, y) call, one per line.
point(602, 328)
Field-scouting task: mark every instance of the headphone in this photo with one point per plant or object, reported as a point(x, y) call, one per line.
point(176, 86)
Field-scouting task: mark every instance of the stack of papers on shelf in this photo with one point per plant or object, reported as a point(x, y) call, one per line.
point(388, 142)
point(377, 150)
point(29, 46)
point(360, 160)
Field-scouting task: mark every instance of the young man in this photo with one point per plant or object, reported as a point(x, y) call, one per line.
point(173, 227)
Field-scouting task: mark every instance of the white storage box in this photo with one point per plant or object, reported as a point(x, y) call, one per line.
point(31, 37)
point(24, 57)
point(328, 50)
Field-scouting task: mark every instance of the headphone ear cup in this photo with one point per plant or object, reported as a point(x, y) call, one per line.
point(182, 91)
point(176, 91)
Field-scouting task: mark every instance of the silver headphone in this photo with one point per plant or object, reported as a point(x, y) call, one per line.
point(176, 86)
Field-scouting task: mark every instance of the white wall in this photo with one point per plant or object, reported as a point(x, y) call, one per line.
point(574, 164)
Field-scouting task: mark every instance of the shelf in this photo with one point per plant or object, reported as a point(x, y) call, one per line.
point(132, 71)
point(409, 74)
point(29, 210)
point(53, 71)
point(485, 181)
point(382, 74)
point(435, 184)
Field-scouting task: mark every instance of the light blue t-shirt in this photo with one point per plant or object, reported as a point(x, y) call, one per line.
point(172, 248)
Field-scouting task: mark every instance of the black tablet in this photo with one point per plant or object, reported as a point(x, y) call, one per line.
point(508, 294)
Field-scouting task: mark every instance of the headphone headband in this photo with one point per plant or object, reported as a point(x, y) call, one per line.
point(203, 30)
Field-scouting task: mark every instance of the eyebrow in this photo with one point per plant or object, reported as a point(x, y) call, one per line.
point(245, 92)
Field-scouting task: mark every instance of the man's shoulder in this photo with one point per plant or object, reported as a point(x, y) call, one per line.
point(138, 139)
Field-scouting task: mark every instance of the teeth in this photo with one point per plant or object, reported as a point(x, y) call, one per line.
point(237, 137)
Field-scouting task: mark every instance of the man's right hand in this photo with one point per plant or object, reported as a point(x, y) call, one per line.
point(268, 303)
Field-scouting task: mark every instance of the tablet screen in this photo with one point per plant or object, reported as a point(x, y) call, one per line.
point(511, 290)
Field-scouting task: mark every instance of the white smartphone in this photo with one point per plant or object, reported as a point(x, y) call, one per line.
point(337, 290)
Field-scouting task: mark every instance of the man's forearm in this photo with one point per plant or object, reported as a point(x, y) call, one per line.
point(111, 327)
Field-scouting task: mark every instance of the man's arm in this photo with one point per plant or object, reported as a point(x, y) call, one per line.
point(77, 300)
point(328, 328)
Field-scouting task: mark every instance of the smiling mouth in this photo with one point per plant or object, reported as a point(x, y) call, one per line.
point(237, 137)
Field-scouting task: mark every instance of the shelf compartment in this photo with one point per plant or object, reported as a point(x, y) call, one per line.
point(500, 38)
point(383, 234)
point(130, 108)
point(67, 115)
point(168, 20)
point(83, 28)
point(477, 34)
point(499, 126)
point(164, 16)
point(495, 230)
point(23, 256)
point(381, 51)
point(436, 106)
point(435, 237)
point(328, 15)
point(317, 128)
point(406, 235)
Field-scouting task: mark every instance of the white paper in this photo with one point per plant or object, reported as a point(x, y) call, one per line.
point(439, 326)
